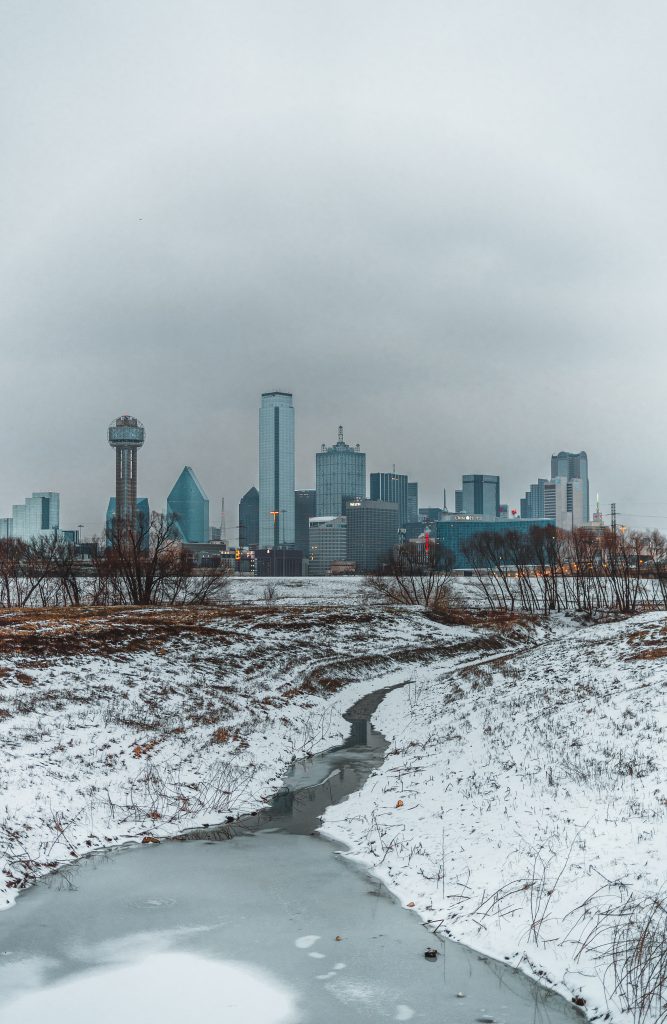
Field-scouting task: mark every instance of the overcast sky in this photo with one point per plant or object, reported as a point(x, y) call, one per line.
point(443, 225)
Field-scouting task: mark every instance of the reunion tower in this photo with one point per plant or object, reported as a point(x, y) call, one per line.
point(126, 435)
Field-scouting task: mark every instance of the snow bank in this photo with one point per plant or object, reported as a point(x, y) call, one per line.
point(523, 809)
point(126, 724)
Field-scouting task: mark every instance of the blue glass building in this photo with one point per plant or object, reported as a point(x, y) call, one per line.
point(391, 487)
point(454, 534)
point(143, 520)
point(480, 494)
point(304, 510)
point(187, 505)
point(249, 519)
point(340, 474)
point(276, 470)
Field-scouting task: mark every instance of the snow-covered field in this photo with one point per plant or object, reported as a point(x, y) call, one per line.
point(120, 724)
point(521, 808)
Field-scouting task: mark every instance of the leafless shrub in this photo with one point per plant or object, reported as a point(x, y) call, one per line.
point(628, 933)
point(415, 575)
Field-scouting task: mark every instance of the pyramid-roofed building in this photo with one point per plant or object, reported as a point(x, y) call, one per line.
point(187, 504)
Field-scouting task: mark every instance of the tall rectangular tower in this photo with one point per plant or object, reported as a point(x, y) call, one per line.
point(481, 495)
point(304, 510)
point(391, 487)
point(249, 519)
point(276, 470)
point(413, 502)
point(573, 466)
point(372, 532)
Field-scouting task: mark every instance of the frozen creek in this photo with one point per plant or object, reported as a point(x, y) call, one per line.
point(274, 927)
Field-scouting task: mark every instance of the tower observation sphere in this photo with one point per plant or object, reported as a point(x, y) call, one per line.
point(126, 434)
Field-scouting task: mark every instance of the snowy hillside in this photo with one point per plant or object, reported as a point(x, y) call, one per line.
point(523, 808)
point(123, 723)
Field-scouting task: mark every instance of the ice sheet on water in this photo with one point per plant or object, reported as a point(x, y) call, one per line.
point(170, 987)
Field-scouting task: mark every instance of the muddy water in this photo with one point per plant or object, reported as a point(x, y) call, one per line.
point(274, 927)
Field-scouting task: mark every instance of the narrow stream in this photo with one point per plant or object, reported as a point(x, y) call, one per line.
point(274, 927)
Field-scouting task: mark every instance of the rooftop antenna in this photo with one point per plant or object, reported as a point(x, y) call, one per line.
point(340, 435)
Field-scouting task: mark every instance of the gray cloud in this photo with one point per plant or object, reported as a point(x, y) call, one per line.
point(440, 224)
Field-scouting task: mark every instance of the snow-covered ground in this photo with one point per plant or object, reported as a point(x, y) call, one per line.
point(118, 724)
point(521, 808)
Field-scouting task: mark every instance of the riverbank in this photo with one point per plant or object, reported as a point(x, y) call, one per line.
point(522, 809)
point(130, 724)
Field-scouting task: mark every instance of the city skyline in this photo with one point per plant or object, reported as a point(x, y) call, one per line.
point(287, 434)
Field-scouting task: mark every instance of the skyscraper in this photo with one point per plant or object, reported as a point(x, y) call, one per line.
point(564, 502)
point(187, 505)
point(340, 473)
point(328, 543)
point(573, 466)
point(413, 502)
point(481, 495)
point(372, 531)
point(391, 487)
point(126, 434)
point(249, 519)
point(304, 509)
point(39, 516)
point(532, 505)
point(276, 470)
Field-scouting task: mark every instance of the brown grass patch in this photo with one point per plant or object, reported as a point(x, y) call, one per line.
point(649, 654)
point(39, 633)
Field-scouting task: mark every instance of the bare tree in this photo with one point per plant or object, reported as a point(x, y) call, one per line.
point(144, 563)
point(416, 574)
point(23, 572)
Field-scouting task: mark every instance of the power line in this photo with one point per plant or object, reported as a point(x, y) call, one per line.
point(641, 515)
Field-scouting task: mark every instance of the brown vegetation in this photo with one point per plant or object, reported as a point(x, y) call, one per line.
point(587, 571)
point(415, 574)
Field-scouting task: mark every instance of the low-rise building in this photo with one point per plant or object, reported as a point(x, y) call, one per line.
point(458, 531)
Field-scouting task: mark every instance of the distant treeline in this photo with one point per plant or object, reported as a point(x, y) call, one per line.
point(584, 570)
point(142, 565)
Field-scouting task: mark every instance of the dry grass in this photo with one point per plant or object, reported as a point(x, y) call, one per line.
point(67, 632)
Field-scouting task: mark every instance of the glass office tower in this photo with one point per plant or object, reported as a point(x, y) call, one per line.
point(481, 494)
point(391, 487)
point(276, 470)
point(249, 519)
point(187, 505)
point(39, 516)
point(573, 466)
point(304, 510)
point(340, 473)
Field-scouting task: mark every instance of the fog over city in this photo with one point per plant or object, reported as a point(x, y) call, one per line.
point(440, 224)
